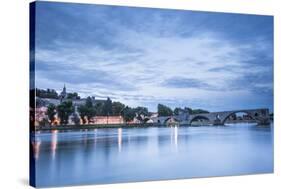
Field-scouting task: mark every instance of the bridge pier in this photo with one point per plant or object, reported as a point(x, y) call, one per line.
point(217, 122)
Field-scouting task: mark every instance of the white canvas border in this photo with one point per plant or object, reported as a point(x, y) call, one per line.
point(14, 92)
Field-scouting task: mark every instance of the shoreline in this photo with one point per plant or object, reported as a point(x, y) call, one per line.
point(101, 126)
point(104, 126)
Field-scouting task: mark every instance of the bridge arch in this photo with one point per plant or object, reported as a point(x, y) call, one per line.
point(199, 117)
point(253, 116)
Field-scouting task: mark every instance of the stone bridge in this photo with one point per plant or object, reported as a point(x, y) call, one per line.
point(260, 116)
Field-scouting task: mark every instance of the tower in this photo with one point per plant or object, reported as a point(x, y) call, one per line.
point(63, 94)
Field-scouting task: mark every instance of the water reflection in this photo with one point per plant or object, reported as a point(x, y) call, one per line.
point(110, 155)
point(36, 147)
point(95, 137)
point(54, 143)
point(174, 137)
point(119, 139)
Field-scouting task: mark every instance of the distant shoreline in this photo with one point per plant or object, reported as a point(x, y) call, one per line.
point(100, 126)
point(104, 126)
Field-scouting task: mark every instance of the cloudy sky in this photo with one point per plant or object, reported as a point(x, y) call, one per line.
point(143, 57)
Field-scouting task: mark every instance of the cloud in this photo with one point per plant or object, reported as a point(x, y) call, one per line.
point(153, 56)
point(178, 82)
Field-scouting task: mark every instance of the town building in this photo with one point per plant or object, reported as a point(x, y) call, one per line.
point(43, 103)
point(108, 120)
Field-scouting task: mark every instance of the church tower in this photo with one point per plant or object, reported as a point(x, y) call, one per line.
point(63, 94)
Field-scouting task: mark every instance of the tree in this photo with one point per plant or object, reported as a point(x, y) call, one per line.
point(49, 93)
point(188, 110)
point(89, 102)
point(164, 110)
point(117, 107)
point(199, 111)
point(83, 112)
point(177, 111)
point(87, 110)
point(99, 108)
point(73, 96)
point(128, 114)
point(141, 112)
point(51, 112)
point(65, 109)
point(107, 108)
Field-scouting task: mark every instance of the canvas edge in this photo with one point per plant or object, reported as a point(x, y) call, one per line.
point(32, 167)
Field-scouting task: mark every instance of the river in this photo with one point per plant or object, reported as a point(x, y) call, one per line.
point(101, 156)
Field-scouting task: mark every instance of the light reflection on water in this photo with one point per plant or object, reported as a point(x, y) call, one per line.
point(54, 143)
point(137, 154)
point(119, 139)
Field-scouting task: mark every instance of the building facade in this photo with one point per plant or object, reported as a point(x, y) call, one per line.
point(43, 103)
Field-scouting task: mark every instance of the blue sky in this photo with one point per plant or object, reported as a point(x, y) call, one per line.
point(142, 57)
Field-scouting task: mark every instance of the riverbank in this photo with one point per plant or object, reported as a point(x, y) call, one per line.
point(102, 126)
point(96, 126)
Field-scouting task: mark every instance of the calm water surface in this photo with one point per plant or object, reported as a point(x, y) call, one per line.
point(137, 154)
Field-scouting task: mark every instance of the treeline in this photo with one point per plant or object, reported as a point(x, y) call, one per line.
point(167, 111)
point(51, 93)
point(90, 110)
point(73, 96)
point(108, 108)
